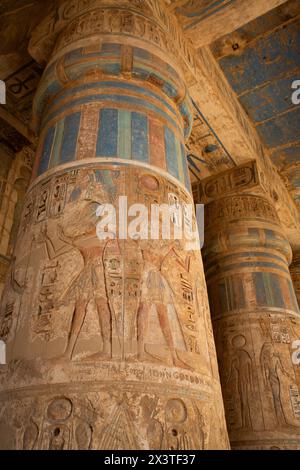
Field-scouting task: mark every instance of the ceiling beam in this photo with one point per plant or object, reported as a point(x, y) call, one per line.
point(17, 124)
point(233, 15)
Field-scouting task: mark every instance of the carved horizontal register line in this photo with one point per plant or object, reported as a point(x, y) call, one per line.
point(100, 162)
point(73, 107)
point(97, 385)
point(254, 313)
point(75, 92)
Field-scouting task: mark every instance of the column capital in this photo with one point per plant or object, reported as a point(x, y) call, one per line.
point(70, 41)
point(295, 273)
point(45, 35)
point(26, 156)
point(238, 208)
point(243, 221)
point(237, 201)
point(295, 266)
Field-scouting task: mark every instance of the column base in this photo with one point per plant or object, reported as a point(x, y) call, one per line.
point(107, 406)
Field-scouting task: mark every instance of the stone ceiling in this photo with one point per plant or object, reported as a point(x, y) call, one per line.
point(255, 43)
point(194, 12)
point(261, 60)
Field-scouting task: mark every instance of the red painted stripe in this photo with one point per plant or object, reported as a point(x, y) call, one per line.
point(88, 132)
point(157, 144)
point(286, 293)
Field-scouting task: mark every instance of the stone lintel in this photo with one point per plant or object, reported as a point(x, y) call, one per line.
point(239, 179)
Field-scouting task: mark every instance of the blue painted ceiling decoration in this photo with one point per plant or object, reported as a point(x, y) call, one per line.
point(261, 60)
point(206, 154)
point(195, 11)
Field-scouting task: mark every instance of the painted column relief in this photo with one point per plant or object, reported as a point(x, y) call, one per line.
point(256, 320)
point(295, 273)
point(15, 176)
point(109, 341)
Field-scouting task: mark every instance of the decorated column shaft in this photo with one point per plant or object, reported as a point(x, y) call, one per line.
point(295, 273)
point(110, 344)
point(254, 311)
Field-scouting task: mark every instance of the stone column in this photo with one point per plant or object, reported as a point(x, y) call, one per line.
point(15, 175)
point(295, 274)
point(6, 156)
point(254, 311)
point(110, 344)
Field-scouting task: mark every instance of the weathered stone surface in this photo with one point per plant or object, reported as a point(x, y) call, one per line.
point(109, 341)
point(242, 178)
point(256, 321)
point(295, 273)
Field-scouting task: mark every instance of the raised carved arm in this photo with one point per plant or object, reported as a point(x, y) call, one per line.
point(52, 251)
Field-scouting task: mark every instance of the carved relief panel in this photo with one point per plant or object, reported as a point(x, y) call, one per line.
point(108, 421)
point(107, 298)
